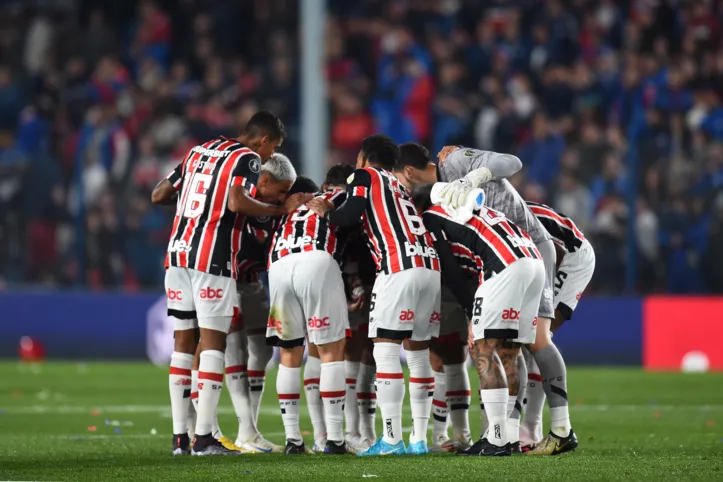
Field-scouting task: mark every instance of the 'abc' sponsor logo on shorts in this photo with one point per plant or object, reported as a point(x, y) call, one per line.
point(317, 323)
point(435, 318)
point(210, 294)
point(274, 324)
point(174, 295)
point(511, 314)
point(406, 316)
point(417, 249)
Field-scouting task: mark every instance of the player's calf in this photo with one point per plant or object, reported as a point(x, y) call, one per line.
point(333, 393)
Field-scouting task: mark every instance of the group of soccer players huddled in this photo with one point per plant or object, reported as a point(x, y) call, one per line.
point(443, 258)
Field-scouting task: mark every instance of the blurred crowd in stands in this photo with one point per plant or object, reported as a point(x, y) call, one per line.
point(614, 107)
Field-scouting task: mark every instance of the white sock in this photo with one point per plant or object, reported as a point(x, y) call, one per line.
point(560, 421)
point(390, 390)
point(259, 356)
point(288, 388)
point(534, 401)
point(439, 407)
point(333, 394)
point(458, 398)
point(237, 384)
point(210, 384)
point(495, 401)
point(351, 414)
point(179, 386)
point(194, 390)
point(312, 376)
point(367, 401)
point(421, 388)
point(513, 424)
point(483, 415)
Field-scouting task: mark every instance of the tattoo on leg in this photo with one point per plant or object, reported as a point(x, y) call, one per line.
point(488, 364)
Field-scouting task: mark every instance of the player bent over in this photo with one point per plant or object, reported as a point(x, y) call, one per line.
point(405, 298)
point(215, 181)
point(307, 298)
point(247, 353)
point(576, 264)
point(511, 275)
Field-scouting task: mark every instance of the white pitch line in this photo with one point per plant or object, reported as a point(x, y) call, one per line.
point(165, 409)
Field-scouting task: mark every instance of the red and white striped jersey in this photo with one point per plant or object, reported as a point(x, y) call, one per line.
point(303, 230)
point(563, 230)
point(207, 236)
point(253, 256)
point(486, 244)
point(395, 233)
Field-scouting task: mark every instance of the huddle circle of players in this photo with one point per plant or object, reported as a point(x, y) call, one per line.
point(444, 259)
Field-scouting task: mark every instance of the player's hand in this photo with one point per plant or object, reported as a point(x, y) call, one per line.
point(294, 201)
point(455, 193)
point(320, 206)
point(446, 151)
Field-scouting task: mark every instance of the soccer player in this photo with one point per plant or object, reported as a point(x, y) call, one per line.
point(247, 353)
point(448, 352)
point(213, 187)
point(465, 169)
point(405, 299)
point(576, 260)
point(307, 297)
point(510, 274)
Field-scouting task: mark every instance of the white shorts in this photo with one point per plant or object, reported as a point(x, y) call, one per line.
point(505, 306)
point(200, 300)
point(572, 278)
point(406, 304)
point(453, 325)
point(307, 297)
point(254, 305)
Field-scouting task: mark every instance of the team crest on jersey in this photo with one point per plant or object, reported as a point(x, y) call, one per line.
point(254, 165)
point(469, 153)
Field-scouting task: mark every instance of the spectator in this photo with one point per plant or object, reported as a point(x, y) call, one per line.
point(541, 154)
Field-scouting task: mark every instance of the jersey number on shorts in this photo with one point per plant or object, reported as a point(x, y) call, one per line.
point(561, 277)
point(414, 221)
point(477, 307)
point(198, 185)
point(372, 301)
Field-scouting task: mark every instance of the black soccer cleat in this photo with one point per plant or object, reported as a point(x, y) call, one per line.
point(514, 448)
point(207, 445)
point(294, 449)
point(335, 448)
point(181, 444)
point(484, 448)
point(554, 445)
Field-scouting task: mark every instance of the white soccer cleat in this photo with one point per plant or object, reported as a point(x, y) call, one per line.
point(438, 444)
point(527, 442)
point(352, 439)
point(319, 446)
point(361, 446)
point(259, 445)
point(457, 442)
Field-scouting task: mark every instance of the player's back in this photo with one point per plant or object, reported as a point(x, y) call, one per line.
point(394, 229)
point(252, 258)
point(203, 236)
point(303, 231)
point(562, 229)
point(484, 245)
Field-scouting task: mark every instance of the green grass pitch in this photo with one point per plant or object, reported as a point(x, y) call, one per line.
point(632, 426)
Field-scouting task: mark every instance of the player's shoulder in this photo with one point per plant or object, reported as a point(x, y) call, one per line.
point(436, 210)
point(364, 174)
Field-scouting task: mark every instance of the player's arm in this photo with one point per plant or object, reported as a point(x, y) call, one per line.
point(481, 166)
point(243, 189)
point(349, 213)
point(452, 274)
point(166, 191)
point(560, 252)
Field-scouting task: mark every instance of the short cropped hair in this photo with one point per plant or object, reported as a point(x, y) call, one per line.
point(338, 174)
point(304, 185)
point(413, 155)
point(280, 168)
point(380, 150)
point(265, 123)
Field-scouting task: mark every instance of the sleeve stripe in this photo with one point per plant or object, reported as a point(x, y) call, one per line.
point(360, 191)
point(238, 181)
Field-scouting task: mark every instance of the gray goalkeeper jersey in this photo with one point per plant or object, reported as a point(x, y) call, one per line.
point(499, 193)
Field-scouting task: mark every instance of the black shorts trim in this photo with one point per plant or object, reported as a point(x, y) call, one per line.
point(501, 333)
point(276, 341)
point(393, 334)
point(565, 311)
point(182, 315)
